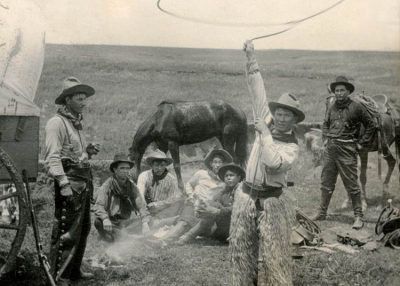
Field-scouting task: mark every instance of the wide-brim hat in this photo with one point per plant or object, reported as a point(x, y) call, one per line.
point(344, 81)
point(288, 101)
point(217, 152)
point(158, 155)
point(72, 85)
point(231, 167)
point(120, 158)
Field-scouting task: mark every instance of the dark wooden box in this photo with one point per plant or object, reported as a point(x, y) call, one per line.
point(19, 138)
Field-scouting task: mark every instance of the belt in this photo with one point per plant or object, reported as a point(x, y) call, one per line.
point(76, 172)
point(342, 140)
point(261, 192)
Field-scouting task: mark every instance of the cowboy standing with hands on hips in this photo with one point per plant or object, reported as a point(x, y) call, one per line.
point(342, 141)
point(67, 158)
point(262, 214)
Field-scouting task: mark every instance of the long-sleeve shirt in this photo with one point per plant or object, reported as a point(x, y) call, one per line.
point(117, 208)
point(344, 123)
point(201, 185)
point(165, 189)
point(58, 146)
point(270, 159)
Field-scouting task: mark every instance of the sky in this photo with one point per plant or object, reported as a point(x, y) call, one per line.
point(352, 25)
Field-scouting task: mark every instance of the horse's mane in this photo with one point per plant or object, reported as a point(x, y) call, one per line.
point(168, 101)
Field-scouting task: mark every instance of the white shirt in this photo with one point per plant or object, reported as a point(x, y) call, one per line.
point(269, 159)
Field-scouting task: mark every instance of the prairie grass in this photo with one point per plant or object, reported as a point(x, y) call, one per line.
point(131, 81)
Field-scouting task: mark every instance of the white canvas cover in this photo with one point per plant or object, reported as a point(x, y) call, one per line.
point(22, 42)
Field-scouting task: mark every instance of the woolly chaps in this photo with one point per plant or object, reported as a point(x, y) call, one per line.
point(259, 243)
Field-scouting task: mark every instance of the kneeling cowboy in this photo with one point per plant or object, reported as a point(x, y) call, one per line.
point(67, 161)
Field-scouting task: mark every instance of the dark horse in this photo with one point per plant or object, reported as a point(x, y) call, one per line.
point(178, 123)
point(390, 133)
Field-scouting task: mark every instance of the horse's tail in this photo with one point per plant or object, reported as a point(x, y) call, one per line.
point(397, 143)
point(241, 146)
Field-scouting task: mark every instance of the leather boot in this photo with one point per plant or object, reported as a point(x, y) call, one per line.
point(165, 241)
point(357, 209)
point(175, 232)
point(163, 222)
point(63, 282)
point(190, 235)
point(323, 207)
point(82, 275)
point(358, 223)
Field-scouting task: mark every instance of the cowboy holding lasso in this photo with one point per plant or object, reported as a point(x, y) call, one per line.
point(262, 212)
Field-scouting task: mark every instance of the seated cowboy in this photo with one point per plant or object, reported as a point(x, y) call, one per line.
point(220, 209)
point(159, 188)
point(203, 186)
point(116, 199)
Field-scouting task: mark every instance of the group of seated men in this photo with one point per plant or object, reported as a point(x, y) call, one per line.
point(203, 209)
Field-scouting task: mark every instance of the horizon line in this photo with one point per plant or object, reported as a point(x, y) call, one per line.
point(196, 48)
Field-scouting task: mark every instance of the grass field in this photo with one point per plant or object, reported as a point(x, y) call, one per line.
point(131, 81)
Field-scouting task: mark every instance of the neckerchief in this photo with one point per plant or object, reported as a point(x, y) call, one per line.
point(343, 105)
point(63, 111)
point(287, 138)
point(157, 179)
point(116, 190)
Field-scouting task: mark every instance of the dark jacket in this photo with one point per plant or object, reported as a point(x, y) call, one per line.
point(224, 202)
point(344, 122)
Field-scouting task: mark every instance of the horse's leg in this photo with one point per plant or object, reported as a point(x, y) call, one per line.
point(229, 139)
point(229, 143)
point(363, 177)
point(391, 161)
point(174, 150)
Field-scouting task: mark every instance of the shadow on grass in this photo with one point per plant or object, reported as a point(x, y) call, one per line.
point(25, 273)
point(347, 219)
point(383, 201)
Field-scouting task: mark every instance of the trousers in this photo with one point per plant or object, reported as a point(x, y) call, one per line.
point(71, 227)
point(341, 159)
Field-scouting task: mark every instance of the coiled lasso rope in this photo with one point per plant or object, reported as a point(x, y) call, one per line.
point(291, 24)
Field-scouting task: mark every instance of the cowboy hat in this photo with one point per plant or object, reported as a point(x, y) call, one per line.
point(344, 81)
point(288, 101)
point(231, 167)
point(71, 85)
point(158, 155)
point(120, 158)
point(218, 152)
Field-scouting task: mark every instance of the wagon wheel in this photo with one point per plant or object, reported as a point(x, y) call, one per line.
point(12, 229)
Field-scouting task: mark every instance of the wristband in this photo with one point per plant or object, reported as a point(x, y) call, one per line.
point(63, 185)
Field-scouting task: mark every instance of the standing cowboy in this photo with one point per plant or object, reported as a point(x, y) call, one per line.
point(342, 141)
point(67, 162)
point(116, 199)
point(262, 213)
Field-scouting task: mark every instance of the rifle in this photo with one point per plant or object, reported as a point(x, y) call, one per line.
point(42, 258)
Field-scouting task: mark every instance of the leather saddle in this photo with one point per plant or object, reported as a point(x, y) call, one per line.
point(381, 102)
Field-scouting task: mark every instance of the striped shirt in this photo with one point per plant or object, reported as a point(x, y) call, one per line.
point(166, 188)
point(269, 159)
point(203, 185)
